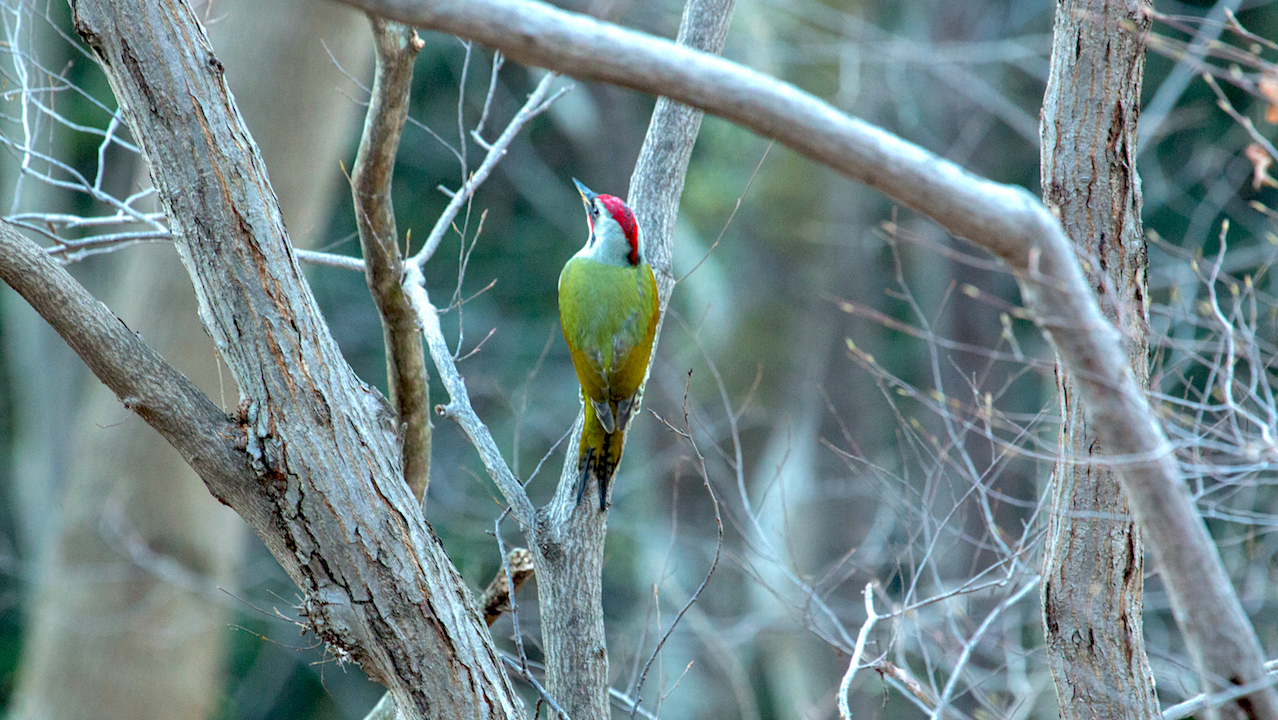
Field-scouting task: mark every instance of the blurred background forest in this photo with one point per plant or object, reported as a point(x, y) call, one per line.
point(871, 405)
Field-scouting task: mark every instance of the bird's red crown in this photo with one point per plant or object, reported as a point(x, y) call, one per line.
point(626, 219)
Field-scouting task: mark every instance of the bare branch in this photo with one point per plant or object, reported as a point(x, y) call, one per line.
point(1222, 102)
point(854, 663)
point(943, 701)
point(207, 438)
point(34, 117)
point(406, 375)
point(459, 407)
point(714, 564)
point(1001, 218)
point(1188, 63)
point(1203, 701)
point(536, 104)
point(344, 262)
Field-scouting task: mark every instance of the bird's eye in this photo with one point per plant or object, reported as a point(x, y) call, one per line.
point(594, 210)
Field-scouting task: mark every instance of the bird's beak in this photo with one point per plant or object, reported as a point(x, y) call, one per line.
point(586, 193)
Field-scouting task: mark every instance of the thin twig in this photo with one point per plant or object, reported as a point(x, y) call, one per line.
point(1202, 701)
point(459, 408)
point(345, 262)
point(854, 663)
point(499, 597)
point(718, 548)
point(970, 645)
point(1222, 101)
point(478, 132)
point(536, 104)
point(523, 673)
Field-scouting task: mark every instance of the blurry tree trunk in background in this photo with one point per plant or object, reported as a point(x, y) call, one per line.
point(1093, 567)
point(790, 504)
point(127, 619)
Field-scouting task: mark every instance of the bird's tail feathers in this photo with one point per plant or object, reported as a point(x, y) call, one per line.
point(599, 454)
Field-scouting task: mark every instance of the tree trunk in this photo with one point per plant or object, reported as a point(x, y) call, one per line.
point(1093, 567)
point(129, 600)
point(318, 473)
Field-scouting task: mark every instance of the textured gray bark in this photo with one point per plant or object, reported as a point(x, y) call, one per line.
point(325, 489)
point(1093, 567)
point(285, 61)
point(131, 598)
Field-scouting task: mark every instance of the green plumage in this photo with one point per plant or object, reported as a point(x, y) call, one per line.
point(609, 318)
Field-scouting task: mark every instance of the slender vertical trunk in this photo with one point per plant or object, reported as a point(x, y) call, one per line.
point(568, 541)
point(1093, 567)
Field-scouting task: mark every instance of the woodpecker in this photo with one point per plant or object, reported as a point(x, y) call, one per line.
point(608, 311)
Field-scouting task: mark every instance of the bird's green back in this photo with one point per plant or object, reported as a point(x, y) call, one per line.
point(606, 312)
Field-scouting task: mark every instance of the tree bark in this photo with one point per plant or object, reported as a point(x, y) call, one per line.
point(131, 598)
point(1093, 567)
point(327, 492)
